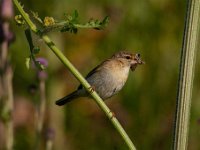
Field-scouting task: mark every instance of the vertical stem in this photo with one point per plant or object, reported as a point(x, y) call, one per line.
point(42, 108)
point(6, 91)
point(9, 109)
point(6, 94)
point(49, 139)
point(187, 67)
point(40, 113)
point(49, 145)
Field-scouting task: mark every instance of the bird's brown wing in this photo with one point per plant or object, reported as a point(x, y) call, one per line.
point(93, 71)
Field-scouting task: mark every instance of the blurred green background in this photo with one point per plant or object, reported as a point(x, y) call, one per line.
point(146, 105)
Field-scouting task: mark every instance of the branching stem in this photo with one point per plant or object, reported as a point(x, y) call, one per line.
point(79, 77)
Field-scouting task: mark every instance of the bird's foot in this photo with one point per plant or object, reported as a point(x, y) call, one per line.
point(91, 89)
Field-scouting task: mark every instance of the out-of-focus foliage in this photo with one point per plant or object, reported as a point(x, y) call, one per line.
point(145, 106)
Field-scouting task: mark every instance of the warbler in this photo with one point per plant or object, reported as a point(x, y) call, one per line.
point(108, 78)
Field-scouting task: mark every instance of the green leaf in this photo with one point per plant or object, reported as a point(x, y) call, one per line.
point(102, 23)
point(36, 17)
point(75, 15)
point(105, 21)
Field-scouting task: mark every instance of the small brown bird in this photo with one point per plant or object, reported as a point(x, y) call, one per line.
point(108, 78)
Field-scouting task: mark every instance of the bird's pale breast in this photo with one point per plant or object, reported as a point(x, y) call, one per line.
point(110, 79)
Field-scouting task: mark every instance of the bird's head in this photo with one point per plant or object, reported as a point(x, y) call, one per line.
point(132, 60)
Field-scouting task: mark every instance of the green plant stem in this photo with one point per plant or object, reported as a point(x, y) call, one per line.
point(25, 16)
point(60, 25)
point(82, 80)
point(187, 68)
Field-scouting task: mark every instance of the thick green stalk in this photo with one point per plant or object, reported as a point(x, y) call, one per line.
point(187, 67)
point(82, 80)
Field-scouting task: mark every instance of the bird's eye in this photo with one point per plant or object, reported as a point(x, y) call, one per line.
point(128, 57)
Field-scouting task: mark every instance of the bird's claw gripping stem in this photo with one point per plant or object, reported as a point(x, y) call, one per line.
point(91, 89)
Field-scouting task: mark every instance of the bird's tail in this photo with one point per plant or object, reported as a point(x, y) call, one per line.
point(67, 98)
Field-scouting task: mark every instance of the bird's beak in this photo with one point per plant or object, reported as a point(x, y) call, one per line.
point(136, 61)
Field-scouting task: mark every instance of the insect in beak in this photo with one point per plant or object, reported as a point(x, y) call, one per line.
point(136, 61)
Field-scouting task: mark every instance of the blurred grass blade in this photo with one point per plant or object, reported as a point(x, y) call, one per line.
point(187, 67)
